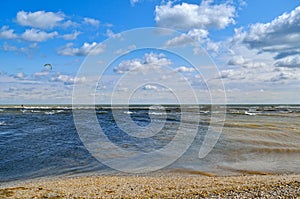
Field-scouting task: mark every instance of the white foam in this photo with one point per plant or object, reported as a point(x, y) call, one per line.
point(250, 113)
point(49, 112)
point(156, 107)
point(128, 112)
point(35, 111)
point(157, 113)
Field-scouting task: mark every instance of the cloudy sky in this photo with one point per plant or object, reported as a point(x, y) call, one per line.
point(251, 47)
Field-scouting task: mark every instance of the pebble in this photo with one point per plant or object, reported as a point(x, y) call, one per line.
point(190, 186)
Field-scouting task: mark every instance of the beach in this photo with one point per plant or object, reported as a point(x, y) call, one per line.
point(44, 155)
point(164, 186)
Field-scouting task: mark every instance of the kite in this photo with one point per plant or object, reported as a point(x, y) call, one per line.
point(48, 66)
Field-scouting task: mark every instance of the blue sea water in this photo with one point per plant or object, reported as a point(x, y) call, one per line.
point(42, 141)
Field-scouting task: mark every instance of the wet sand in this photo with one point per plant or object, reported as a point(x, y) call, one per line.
point(183, 186)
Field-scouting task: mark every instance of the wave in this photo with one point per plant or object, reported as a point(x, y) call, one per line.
point(49, 112)
point(277, 150)
point(205, 112)
point(46, 107)
point(35, 111)
point(101, 112)
point(129, 112)
point(250, 113)
point(3, 123)
point(157, 113)
point(156, 108)
point(54, 112)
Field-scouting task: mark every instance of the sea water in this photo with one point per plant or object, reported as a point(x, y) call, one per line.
point(43, 141)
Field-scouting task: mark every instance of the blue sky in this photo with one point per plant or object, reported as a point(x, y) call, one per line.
point(254, 47)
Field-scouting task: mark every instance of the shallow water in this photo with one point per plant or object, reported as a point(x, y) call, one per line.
point(38, 141)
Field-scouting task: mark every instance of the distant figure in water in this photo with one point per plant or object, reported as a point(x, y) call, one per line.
point(22, 106)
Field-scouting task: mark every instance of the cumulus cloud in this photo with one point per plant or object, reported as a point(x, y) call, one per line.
point(265, 54)
point(133, 2)
point(281, 37)
point(189, 16)
point(37, 35)
point(86, 49)
point(29, 34)
point(6, 33)
point(267, 74)
point(67, 79)
point(20, 75)
point(123, 51)
point(91, 21)
point(23, 49)
point(69, 23)
point(279, 34)
point(71, 36)
point(244, 62)
point(290, 61)
point(184, 69)
point(150, 87)
point(193, 35)
point(7, 47)
point(151, 61)
point(39, 19)
point(41, 74)
point(113, 35)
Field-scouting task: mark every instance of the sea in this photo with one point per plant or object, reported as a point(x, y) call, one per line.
point(60, 140)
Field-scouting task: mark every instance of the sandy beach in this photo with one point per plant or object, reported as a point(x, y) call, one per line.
point(184, 186)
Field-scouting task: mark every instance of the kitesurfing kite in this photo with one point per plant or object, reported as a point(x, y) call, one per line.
point(48, 66)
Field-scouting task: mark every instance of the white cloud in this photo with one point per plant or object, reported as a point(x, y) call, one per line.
point(151, 61)
point(189, 16)
point(184, 69)
point(67, 79)
point(247, 63)
point(197, 35)
point(123, 51)
point(33, 45)
point(69, 23)
point(29, 34)
point(133, 2)
point(113, 35)
point(41, 74)
point(237, 60)
point(39, 19)
point(7, 47)
point(37, 35)
point(265, 54)
point(6, 33)
point(212, 46)
point(20, 75)
point(290, 61)
point(150, 87)
point(86, 49)
point(281, 37)
point(90, 21)
point(71, 36)
point(267, 75)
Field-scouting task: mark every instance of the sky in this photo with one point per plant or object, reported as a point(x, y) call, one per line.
point(150, 51)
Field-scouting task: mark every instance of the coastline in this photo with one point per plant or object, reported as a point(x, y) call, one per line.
point(160, 186)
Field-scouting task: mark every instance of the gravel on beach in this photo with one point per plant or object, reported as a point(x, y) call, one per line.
point(185, 186)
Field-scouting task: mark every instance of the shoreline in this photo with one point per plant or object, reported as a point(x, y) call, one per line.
point(163, 186)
